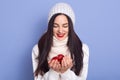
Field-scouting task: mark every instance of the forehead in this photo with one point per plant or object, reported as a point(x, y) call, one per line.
point(61, 19)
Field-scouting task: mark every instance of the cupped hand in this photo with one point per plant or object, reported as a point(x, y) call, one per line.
point(55, 65)
point(66, 64)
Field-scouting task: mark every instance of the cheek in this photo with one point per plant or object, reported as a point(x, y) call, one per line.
point(54, 31)
point(67, 30)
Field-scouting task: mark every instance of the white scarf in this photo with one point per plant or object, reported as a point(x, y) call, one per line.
point(58, 47)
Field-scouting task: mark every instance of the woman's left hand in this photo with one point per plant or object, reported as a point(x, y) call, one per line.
point(66, 63)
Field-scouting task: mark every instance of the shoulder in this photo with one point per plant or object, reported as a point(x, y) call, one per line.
point(85, 49)
point(35, 50)
point(35, 47)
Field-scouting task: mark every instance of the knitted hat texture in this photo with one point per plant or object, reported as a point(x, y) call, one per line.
point(62, 8)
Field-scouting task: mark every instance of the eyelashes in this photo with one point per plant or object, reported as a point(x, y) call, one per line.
point(57, 25)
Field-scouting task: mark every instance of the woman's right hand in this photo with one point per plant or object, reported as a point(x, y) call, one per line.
point(55, 65)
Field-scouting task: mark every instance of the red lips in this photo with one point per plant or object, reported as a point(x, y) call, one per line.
point(60, 35)
point(58, 57)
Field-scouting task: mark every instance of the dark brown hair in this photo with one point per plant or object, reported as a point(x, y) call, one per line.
point(45, 43)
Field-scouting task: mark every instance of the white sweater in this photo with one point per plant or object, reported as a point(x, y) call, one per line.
point(60, 47)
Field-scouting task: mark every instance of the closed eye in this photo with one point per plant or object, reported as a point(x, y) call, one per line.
point(55, 25)
point(65, 25)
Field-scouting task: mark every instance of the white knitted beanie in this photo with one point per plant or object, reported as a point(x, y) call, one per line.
point(62, 8)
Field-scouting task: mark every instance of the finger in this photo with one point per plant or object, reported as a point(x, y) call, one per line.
point(54, 63)
point(51, 63)
point(69, 62)
point(64, 64)
point(56, 66)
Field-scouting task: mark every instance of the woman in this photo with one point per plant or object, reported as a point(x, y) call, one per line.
point(60, 38)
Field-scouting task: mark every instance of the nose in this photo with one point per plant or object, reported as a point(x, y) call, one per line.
point(60, 30)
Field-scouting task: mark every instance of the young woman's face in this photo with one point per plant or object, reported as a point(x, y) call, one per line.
point(60, 27)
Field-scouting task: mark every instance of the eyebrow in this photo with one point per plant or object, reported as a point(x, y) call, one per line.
point(63, 24)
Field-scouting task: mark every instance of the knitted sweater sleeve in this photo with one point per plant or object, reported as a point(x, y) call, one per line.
point(50, 75)
point(70, 75)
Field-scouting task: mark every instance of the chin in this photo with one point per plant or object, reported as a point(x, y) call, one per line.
point(60, 38)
